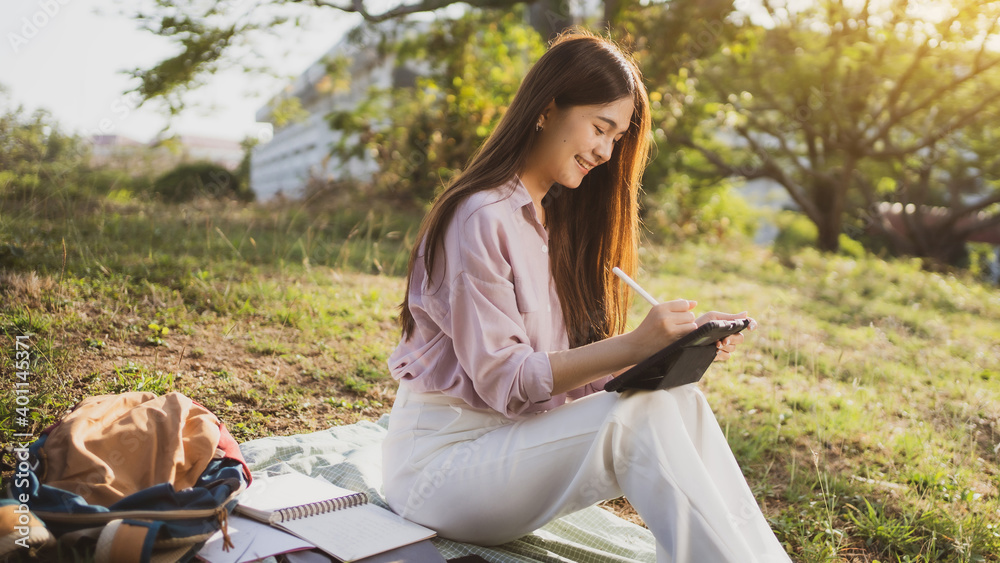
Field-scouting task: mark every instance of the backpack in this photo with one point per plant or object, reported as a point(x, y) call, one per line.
point(137, 476)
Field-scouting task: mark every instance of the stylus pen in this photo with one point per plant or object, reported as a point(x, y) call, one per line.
point(618, 272)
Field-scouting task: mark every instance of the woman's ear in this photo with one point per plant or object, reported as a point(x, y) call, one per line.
point(547, 112)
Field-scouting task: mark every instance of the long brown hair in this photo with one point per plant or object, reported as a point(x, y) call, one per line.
point(591, 228)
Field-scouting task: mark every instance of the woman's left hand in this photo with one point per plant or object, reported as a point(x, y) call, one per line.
point(727, 345)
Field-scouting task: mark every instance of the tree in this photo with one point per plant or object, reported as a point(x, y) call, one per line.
point(682, 199)
point(421, 135)
point(213, 34)
point(33, 151)
point(942, 196)
point(829, 100)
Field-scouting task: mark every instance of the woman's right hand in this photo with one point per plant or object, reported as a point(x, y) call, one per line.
point(664, 324)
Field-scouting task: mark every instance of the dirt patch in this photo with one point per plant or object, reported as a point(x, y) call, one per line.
point(260, 394)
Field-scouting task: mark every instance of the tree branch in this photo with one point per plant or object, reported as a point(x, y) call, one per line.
point(918, 57)
point(981, 225)
point(866, 187)
point(944, 131)
point(358, 7)
point(769, 170)
point(788, 152)
point(981, 205)
point(986, 38)
point(930, 99)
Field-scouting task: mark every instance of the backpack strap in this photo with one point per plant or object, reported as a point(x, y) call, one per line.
point(127, 541)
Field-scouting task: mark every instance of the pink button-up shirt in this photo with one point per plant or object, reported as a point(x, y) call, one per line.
point(484, 325)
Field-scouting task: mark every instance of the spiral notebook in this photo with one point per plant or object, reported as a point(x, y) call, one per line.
point(340, 522)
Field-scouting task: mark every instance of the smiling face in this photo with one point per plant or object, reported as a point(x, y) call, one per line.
point(574, 140)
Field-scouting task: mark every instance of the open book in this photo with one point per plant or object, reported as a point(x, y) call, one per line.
point(336, 520)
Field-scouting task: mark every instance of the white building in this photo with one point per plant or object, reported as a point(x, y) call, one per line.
point(300, 150)
point(224, 152)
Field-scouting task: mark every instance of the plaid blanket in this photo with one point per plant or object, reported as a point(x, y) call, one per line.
point(351, 457)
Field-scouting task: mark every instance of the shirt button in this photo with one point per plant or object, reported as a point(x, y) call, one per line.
point(545, 248)
point(550, 308)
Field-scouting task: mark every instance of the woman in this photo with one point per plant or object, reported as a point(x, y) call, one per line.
point(513, 321)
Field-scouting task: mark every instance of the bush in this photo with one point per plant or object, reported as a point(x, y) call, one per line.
point(680, 209)
point(851, 247)
point(106, 181)
point(795, 231)
point(420, 136)
point(200, 179)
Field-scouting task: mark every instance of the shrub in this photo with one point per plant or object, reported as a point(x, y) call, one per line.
point(106, 181)
point(421, 135)
point(200, 179)
point(795, 231)
point(851, 247)
point(680, 209)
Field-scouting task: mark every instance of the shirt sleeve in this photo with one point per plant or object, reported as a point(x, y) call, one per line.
point(597, 385)
point(592, 387)
point(481, 316)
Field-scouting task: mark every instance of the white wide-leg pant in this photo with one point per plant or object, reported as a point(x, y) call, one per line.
point(474, 476)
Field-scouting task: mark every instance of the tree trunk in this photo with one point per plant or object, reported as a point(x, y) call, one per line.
point(829, 232)
point(612, 8)
point(549, 17)
point(828, 197)
point(948, 250)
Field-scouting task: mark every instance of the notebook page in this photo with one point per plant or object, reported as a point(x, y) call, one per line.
point(267, 494)
point(358, 532)
point(253, 540)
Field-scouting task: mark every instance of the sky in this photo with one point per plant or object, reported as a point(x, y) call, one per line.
point(66, 56)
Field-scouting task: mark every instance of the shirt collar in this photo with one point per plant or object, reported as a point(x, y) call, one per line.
point(520, 196)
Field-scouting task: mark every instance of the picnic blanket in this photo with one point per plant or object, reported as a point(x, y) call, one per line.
point(351, 457)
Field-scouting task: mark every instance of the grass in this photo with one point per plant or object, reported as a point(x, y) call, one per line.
point(864, 410)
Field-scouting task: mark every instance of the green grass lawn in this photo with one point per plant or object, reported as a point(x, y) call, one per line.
point(864, 410)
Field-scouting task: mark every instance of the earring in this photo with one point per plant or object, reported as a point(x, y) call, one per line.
point(538, 126)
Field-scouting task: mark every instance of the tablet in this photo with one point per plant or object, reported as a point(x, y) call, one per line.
point(682, 362)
